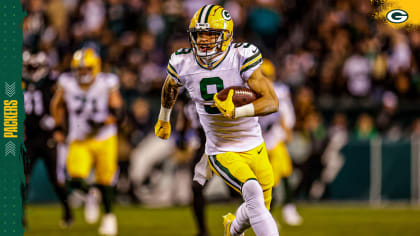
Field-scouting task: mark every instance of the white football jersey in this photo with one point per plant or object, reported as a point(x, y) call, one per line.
point(190, 112)
point(232, 69)
point(273, 132)
point(91, 104)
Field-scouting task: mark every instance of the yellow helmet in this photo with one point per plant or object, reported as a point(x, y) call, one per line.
point(86, 58)
point(268, 69)
point(213, 19)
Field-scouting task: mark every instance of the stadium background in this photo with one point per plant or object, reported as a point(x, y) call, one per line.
point(355, 86)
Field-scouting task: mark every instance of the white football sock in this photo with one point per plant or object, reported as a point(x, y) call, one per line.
point(241, 222)
point(260, 218)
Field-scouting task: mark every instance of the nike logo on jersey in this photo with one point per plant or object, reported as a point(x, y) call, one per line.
point(254, 51)
point(260, 151)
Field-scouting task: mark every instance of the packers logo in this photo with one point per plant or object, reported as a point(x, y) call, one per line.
point(397, 16)
point(226, 15)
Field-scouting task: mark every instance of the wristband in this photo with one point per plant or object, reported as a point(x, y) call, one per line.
point(245, 110)
point(165, 114)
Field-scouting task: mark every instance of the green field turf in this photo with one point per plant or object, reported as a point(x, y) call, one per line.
point(320, 219)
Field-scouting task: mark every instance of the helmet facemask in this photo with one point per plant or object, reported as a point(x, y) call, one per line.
point(215, 21)
point(86, 65)
point(214, 47)
point(35, 66)
point(84, 75)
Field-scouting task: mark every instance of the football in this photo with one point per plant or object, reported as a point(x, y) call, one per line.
point(241, 95)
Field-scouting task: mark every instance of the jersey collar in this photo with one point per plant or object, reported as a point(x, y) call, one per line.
point(214, 64)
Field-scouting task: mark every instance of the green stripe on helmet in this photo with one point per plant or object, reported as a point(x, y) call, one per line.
point(208, 13)
point(203, 13)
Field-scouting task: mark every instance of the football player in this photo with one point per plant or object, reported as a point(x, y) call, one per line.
point(93, 102)
point(277, 131)
point(234, 143)
point(38, 88)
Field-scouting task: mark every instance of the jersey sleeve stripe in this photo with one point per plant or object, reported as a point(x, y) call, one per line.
point(251, 57)
point(173, 69)
point(252, 65)
point(251, 62)
point(174, 76)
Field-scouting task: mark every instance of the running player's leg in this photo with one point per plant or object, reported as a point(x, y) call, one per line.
point(197, 189)
point(286, 172)
point(62, 151)
point(198, 205)
point(260, 218)
point(106, 170)
point(274, 158)
point(50, 159)
point(285, 167)
point(290, 214)
point(79, 163)
point(281, 164)
point(29, 160)
point(235, 169)
point(262, 168)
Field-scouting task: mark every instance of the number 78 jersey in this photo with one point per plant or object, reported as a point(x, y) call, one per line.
point(232, 69)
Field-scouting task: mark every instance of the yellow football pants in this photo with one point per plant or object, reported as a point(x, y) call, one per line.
point(281, 162)
point(235, 168)
point(103, 154)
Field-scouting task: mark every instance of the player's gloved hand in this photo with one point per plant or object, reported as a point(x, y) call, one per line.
point(226, 107)
point(163, 129)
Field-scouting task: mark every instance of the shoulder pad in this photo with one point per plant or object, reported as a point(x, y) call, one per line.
point(110, 79)
point(250, 58)
point(176, 62)
point(65, 78)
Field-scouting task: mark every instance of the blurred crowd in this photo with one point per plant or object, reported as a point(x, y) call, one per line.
point(348, 73)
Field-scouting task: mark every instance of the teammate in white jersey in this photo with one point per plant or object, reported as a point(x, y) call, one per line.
point(93, 103)
point(277, 132)
point(234, 143)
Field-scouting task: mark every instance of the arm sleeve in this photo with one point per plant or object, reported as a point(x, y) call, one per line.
point(250, 58)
